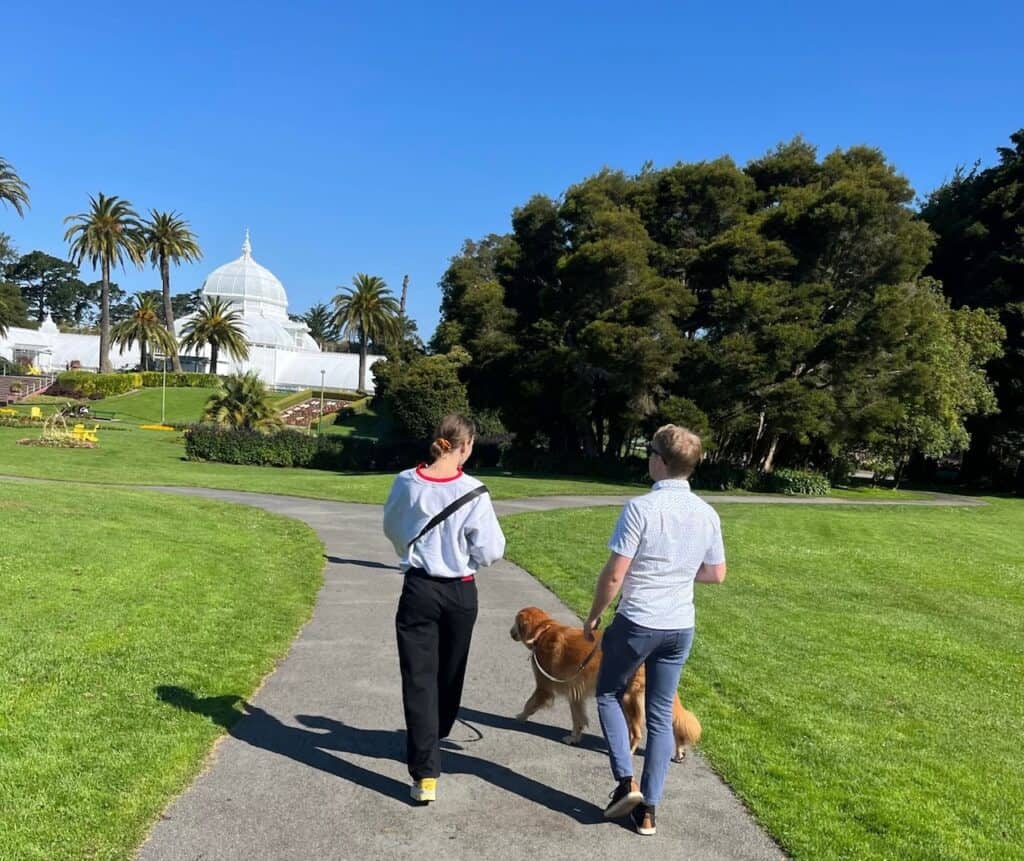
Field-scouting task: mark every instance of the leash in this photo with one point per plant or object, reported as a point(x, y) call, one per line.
point(579, 669)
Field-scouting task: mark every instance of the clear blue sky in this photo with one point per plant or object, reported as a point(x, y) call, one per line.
point(376, 137)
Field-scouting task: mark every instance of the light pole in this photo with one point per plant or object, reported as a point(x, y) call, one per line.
point(163, 393)
point(320, 420)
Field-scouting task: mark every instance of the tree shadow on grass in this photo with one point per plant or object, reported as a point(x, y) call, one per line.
point(316, 745)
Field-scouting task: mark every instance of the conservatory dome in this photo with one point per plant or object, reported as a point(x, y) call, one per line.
point(243, 282)
point(257, 294)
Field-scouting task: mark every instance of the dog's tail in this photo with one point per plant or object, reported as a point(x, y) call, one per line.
point(686, 727)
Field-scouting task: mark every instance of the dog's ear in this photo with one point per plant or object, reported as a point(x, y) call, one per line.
point(534, 622)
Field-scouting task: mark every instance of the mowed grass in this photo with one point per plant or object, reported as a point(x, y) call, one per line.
point(137, 456)
point(107, 597)
point(143, 405)
point(859, 674)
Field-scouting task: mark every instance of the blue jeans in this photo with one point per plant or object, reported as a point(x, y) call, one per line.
point(625, 647)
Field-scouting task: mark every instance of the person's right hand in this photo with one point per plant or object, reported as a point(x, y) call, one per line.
point(589, 627)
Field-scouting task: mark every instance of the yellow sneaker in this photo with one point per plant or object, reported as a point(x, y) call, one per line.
point(424, 789)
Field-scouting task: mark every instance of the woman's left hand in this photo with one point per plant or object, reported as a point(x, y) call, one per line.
point(589, 627)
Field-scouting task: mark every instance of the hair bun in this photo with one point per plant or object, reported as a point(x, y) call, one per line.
point(443, 444)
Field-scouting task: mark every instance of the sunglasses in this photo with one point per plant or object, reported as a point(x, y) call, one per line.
point(652, 450)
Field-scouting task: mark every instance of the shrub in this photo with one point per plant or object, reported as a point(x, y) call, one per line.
point(155, 380)
point(83, 384)
point(244, 446)
point(720, 476)
point(797, 482)
point(423, 391)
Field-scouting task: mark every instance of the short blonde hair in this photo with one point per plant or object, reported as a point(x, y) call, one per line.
point(679, 447)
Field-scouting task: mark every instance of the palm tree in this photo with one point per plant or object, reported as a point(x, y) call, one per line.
point(241, 401)
point(167, 238)
point(218, 324)
point(107, 234)
point(145, 327)
point(13, 189)
point(321, 325)
point(367, 310)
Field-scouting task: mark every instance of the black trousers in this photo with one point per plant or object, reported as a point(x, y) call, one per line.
point(434, 624)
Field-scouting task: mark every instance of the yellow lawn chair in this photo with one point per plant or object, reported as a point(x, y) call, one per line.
point(90, 434)
point(35, 413)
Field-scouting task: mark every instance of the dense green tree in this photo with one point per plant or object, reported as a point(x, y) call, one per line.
point(47, 284)
point(13, 311)
point(167, 238)
point(183, 304)
point(108, 234)
point(979, 258)
point(242, 401)
point(749, 302)
point(218, 325)
point(368, 311)
point(422, 391)
point(13, 189)
point(144, 327)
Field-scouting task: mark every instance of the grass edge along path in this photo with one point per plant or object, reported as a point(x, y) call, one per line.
point(129, 594)
point(132, 456)
point(857, 674)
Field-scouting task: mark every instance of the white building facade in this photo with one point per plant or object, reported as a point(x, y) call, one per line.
point(281, 350)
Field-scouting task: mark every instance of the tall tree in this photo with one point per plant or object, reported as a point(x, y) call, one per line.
point(368, 311)
point(47, 283)
point(13, 189)
point(107, 234)
point(320, 321)
point(167, 238)
point(145, 327)
point(979, 258)
point(218, 325)
point(183, 304)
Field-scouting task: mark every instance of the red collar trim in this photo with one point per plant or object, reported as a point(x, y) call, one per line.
point(425, 477)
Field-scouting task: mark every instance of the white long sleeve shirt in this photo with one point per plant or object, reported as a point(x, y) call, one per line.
point(468, 540)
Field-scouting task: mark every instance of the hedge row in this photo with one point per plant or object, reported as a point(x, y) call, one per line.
point(155, 379)
point(84, 384)
point(295, 448)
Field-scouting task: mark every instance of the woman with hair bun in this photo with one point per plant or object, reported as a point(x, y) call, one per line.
point(443, 528)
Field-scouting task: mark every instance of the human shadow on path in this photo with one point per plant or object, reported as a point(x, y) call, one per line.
point(361, 563)
point(310, 746)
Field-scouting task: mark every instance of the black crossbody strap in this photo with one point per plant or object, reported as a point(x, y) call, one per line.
point(449, 510)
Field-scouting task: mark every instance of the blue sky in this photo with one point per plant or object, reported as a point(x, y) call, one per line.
point(376, 137)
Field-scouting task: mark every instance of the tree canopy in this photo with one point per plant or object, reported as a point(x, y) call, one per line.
point(781, 307)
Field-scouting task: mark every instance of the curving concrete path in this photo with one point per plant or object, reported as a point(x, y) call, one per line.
point(315, 769)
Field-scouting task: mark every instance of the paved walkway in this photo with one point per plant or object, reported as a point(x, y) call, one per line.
point(315, 769)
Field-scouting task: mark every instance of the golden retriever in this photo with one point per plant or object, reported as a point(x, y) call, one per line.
point(561, 651)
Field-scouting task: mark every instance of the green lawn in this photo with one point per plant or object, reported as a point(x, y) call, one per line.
point(136, 456)
point(859, 674)
point(107, 596)
point(143, 405)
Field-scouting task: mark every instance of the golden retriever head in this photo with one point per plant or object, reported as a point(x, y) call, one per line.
point(529, 624)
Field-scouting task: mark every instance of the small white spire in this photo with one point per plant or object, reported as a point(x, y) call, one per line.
point(247, 245)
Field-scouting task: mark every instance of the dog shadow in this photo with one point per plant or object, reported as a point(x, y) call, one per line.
point(320, 738)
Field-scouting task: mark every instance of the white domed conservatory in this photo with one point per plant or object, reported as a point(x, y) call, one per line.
point(281, 350)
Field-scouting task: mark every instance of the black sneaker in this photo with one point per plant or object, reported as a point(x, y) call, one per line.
point(624, 798)
point(642, 818)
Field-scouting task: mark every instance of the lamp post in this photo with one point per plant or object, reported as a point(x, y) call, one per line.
point(320, 420)
point(163, 392)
